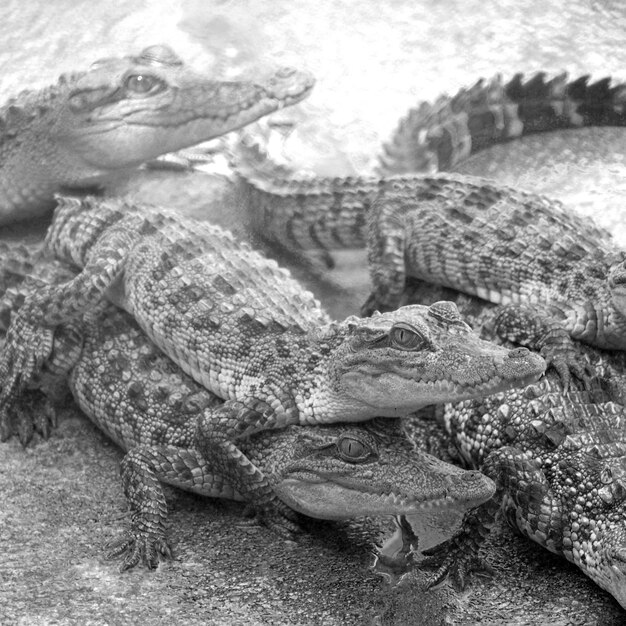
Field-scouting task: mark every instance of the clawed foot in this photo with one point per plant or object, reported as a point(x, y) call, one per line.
point(452, 564)
point(25, 350)
point(32, 412)
point(569, 365)
point(147, 547)
point(276, 516)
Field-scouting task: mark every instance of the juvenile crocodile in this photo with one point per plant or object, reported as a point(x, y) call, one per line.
point(510, 247)
point(331, 213)
point(245, 330)
point(120, 113)
point(558, 458)
point(436, 137)
point(150, 407)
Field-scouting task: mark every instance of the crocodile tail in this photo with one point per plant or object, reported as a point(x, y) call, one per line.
point(435, 137)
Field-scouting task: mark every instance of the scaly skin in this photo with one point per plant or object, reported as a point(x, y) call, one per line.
point(435, 138)
point(145, 403)
point(245, 330)
point(558, 458)
point(558, 276)
point(121, 112)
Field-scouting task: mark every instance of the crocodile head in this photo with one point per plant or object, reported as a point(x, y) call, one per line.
point(394, 363)
point(124, 111)
point(349, 470)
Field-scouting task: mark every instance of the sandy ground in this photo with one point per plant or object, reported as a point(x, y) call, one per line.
point(61, 499)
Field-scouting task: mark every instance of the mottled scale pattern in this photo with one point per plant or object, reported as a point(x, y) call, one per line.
point(328, 213)
point(504, 246)
point(299, 212)
point(436, 137)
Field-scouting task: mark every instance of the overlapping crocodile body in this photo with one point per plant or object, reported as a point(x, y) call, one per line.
point(146, 403)
point(245, 330)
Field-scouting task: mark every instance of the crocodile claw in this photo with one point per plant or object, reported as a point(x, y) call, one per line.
point(135, 546)
point(569, 365)
point(32, 412)
point(451, 565)
point(26, 348)
point(276, 516)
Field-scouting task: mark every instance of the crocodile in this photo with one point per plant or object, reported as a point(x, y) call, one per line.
point(436, 137)
point(558, 276)
point(558, 457)
point(331, 212)
point(93, 125)
point(245, 330)
point(150, 408)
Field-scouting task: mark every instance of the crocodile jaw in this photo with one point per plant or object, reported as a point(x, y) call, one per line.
point(438, 488)
point(333, 501)
point(409, 395)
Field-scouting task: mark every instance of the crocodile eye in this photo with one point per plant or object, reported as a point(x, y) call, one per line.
point(353, 450)
point(406, 337)
point(144, 83)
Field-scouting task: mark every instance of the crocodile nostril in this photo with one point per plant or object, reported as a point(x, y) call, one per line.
point(518, 353)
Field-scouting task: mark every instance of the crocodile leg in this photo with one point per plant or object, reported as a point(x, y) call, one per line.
point(536, 329)
point(386, 256)
point(460, 556)
point(143, 469)
point(29, 337)
point(217, 429)
point(522, 486)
